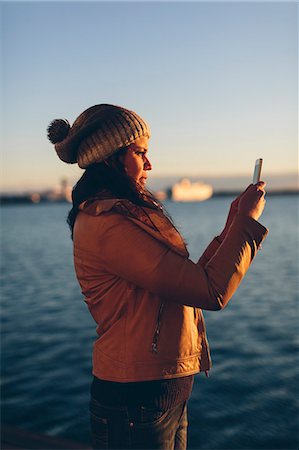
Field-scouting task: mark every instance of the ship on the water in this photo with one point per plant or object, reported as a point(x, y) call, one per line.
point(186, 191)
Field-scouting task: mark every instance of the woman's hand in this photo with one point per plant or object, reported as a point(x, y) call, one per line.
point(235, 207)
point(252, 203)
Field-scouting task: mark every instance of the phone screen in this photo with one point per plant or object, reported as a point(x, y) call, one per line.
point(257, 171)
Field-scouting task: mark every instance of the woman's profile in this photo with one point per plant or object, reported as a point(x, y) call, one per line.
point(144, 293)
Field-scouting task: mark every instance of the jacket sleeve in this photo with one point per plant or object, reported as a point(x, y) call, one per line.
point(131, 253)
point(209, 252)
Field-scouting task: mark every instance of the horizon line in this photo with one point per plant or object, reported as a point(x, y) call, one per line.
point(224, 175)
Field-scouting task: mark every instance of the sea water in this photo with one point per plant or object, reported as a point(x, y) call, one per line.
point(250, 400)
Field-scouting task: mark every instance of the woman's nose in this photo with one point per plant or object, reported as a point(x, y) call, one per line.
point(147, 164)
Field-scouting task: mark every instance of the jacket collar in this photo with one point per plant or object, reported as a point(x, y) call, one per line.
point(153, 221)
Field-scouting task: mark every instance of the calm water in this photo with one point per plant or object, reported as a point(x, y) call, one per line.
point(250, 400)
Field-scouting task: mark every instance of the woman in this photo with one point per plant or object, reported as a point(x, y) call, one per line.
point(140, 286)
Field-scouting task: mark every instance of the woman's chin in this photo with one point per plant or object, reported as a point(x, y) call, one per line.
point(142, 181)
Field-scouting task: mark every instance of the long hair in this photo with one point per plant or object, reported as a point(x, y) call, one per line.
point(109, 176)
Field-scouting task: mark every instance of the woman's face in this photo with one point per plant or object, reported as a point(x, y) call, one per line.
point(136, 162)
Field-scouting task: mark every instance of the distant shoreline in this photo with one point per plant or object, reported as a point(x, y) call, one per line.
point(27, 198)
point(268, 193)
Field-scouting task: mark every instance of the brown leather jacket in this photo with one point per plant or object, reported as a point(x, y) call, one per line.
point(144, 292)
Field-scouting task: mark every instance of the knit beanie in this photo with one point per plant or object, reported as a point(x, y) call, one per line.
point(99, 132)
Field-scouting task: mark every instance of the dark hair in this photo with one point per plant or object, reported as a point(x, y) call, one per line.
point(109, 176)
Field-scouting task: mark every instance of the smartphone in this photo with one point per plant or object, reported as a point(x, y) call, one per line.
point(257, 170)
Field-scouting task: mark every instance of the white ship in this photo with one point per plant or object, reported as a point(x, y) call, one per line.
point(185, 191)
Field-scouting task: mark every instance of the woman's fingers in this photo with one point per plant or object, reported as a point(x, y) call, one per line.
point(253, 193)
point(237, 199)
point(246, 190)
point(260, 185)
point(252, 202)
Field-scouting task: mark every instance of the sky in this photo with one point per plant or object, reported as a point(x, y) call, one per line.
point(216, 81)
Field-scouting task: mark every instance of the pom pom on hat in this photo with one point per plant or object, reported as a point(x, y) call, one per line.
point(58, 130)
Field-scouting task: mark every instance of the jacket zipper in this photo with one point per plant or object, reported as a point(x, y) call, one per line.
point(206, 344)
point(157, 330)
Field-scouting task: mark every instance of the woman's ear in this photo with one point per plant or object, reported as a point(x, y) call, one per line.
point(121, 158)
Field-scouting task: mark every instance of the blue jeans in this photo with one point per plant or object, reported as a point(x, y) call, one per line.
point(138, 427)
